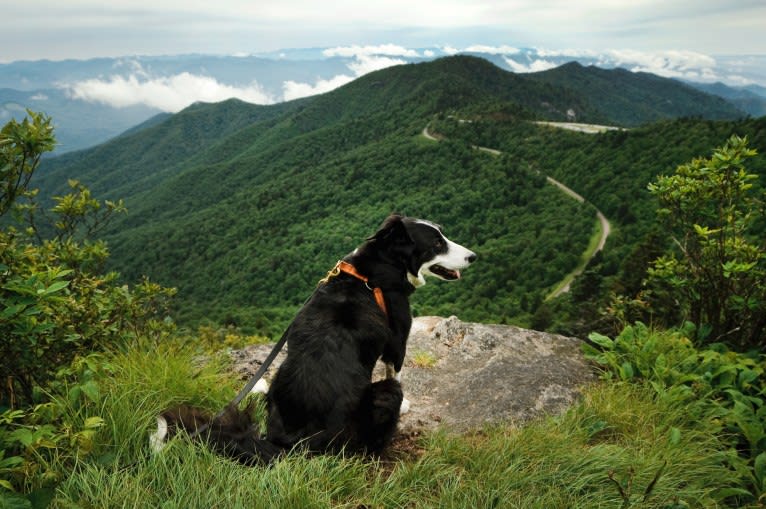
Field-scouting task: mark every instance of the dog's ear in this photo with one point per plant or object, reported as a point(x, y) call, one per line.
point(394, 238)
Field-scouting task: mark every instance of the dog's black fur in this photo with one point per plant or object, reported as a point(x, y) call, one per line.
point(322, 397)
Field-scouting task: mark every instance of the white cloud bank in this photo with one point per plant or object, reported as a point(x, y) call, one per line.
point(391, 50)
point(167, 93)
point(295, 90)
point(688, 65)
point(176, 92)
point(492, 50)
point(132, 84)
point(534, 66)
point(366, 60)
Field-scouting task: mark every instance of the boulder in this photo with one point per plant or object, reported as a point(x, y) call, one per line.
point(465, 375)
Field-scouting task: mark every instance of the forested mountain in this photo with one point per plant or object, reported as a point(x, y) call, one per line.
point(244, 207)
point(612, 170)
point(633, 98)
point(750, 100)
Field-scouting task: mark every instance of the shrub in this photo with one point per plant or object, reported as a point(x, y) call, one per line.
point(57, 307)
point(721, 389)
point(715, 276)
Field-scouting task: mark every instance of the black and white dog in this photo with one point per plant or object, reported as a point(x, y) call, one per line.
point(322, 397)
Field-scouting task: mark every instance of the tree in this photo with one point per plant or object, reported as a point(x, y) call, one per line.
point(22, 144)
point(716, 272)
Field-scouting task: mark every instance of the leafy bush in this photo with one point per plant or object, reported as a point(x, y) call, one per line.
point(39, 445)
point(717, 270)
point(721, 389)
point(57, 307)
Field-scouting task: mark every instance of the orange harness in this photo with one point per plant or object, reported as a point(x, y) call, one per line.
point(349, 269)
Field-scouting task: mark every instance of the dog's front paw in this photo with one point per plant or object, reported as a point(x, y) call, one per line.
point(405, 407)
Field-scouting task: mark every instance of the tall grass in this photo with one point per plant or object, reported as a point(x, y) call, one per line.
point(562, 461)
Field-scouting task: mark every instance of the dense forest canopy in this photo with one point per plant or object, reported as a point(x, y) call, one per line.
point(244, 207)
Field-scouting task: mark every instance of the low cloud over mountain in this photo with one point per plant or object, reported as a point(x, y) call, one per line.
point(167, 93)
point(131, 83)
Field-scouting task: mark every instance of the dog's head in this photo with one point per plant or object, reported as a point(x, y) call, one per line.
point(424, 249)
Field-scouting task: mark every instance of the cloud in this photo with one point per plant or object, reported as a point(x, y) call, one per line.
point(492, 50)
point(688, 65)
point(534, 66)
point(294, 90)
point(357, 51)
point(167, 93)
point(39, 97)
point(365, 64)
point(365, 61)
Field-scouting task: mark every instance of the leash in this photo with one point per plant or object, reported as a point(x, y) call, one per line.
point(249, 385)
point(341, 266)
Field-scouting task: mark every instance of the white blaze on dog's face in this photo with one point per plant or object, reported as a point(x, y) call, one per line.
point(435, 254)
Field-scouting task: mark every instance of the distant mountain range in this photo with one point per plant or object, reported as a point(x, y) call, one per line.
point(241, 206)
point(94, 100)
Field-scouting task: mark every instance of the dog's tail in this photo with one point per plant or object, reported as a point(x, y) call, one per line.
point(233, 434)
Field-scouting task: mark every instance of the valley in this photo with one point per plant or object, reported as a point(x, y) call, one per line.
point(243, 207)
point(603, 223)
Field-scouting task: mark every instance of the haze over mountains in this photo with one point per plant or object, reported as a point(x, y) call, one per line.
point(94, 100)
point(241, 206)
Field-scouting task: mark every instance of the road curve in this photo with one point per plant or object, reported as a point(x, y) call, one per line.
point(606, 228)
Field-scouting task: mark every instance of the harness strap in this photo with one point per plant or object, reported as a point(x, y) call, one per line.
point(345, 267)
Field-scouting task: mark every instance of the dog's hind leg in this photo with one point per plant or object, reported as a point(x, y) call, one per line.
point(379, 414)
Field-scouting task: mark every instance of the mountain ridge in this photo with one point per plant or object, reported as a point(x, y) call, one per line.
point(260, 201)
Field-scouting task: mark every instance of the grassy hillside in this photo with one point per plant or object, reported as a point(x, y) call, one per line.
point(244, 207)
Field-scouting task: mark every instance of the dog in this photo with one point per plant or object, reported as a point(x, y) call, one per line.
point(322, 398)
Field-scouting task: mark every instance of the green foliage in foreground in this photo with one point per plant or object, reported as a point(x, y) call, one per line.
point(55, 300)
point(716, 273)
point(620, 433)
point(722, 391)
point(57, 307)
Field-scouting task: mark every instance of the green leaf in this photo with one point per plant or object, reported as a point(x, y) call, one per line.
point(11, 461)
point(90, 389)
point(41, 497)
point(12, 311)
point(93, 422)
point(601, 340)
point(759, 467)
point(626, 371)
point(55, 287)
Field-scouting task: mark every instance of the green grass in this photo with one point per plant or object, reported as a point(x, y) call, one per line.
point(555, 462)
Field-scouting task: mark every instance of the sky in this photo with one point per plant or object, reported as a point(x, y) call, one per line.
point(697, 40)
point(61, 29)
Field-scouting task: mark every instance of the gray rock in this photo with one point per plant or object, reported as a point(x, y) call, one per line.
point(464, 375)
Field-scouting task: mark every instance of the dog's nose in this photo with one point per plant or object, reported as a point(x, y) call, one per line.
point(471, 258)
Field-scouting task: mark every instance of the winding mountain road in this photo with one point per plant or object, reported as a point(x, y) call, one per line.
point(604, 225)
